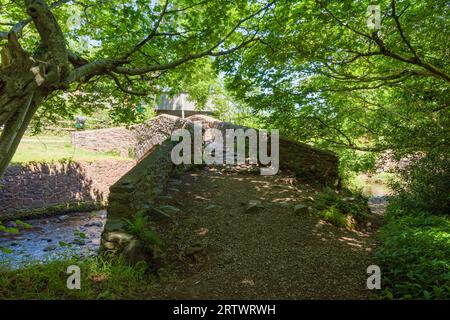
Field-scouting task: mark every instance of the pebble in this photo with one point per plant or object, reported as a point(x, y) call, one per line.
point(50, 248)
point(97, 224)
point(62, 218)
point(254, 206)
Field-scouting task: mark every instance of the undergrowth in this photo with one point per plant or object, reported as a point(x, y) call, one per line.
point(100, 279)
point(414, 254)
point(342, 208)
point(141, 228)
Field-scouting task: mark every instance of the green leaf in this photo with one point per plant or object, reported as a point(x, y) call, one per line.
point(6, 250)
point(64, 244)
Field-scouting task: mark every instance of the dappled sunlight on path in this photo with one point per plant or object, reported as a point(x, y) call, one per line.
point(220, 247)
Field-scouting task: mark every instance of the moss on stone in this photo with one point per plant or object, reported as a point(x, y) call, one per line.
point(52, 211)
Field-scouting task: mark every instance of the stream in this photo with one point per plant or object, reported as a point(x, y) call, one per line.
point(53, 238)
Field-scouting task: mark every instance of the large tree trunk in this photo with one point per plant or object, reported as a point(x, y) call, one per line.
point(27, 79)
point(15, 128)
point(22, 89)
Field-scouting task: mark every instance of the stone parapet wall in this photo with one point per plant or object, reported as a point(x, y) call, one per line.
point(137, 189)
point(120, 140)
point(133, 193)
point(135, 141)
point(155, 131)
point(307, 162)
point(37, 187)
point(141, 184)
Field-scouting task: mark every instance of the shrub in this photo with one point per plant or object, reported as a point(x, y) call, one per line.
point(414, 254)
point(334, 216)
point(140, 227)
point(424, 184)
point(342, 208)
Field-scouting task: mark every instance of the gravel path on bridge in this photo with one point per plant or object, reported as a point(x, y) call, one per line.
point(214, 249)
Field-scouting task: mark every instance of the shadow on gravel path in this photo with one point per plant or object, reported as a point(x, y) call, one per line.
point(217, 248)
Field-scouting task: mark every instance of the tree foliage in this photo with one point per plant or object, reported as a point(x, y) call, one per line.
point(322, 75)
point(60, 57)
point(312, 68)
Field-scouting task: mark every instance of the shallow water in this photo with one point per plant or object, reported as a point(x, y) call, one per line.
point(375, 190)
point(53, 238)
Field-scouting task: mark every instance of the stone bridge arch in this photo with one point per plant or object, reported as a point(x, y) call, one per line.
point(137, 189)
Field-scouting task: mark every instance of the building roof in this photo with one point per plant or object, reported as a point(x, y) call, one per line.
point(179, 105)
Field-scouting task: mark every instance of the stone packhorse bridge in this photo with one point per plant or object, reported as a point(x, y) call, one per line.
point(151, 146)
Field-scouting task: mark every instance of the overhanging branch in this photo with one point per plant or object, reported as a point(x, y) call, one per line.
point(124, 89)
point(176, 63)
point(18, 27)
point(152, 34)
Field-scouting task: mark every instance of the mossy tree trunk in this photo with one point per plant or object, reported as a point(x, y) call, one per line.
point(26, 79)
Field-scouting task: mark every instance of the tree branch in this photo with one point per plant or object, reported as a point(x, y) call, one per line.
point(151, 35)
point(18, 27)
point(415, 60)
point(393, 76)
point(346, 25)
point(90, 69)
point(100, 67)
point(123, 89)
point(387, 52)
point(400, 29)
point(176, 63)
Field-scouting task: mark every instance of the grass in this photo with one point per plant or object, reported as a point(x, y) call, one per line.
point(414, 254)
point(52, 148)
point(100, 279)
